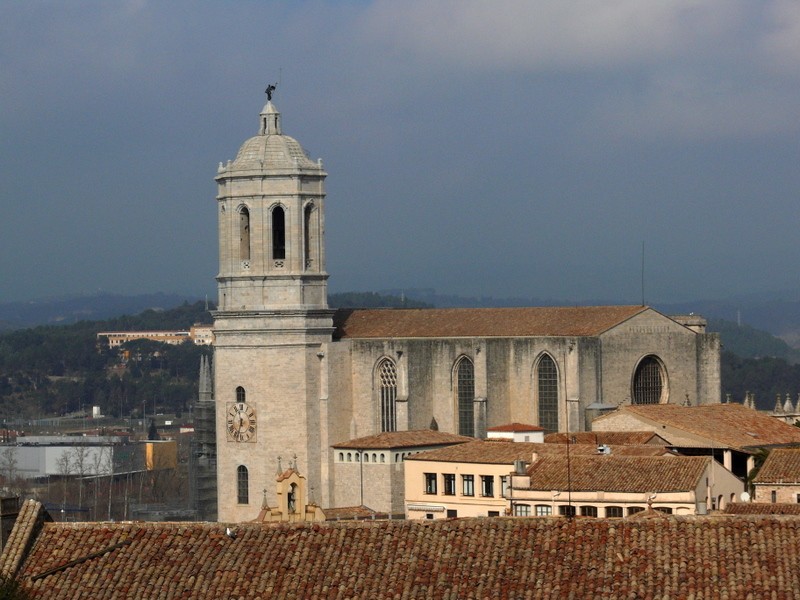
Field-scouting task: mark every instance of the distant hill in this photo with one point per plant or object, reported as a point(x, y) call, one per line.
point(72, 309)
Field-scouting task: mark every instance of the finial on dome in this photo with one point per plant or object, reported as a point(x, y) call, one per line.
point(270, 117)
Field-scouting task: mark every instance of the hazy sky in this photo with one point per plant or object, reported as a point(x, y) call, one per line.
point(521, 149)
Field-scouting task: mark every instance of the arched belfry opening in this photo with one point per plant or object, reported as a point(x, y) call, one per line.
point(278, 233)
point(244, 234)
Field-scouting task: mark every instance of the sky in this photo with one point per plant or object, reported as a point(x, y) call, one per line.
point(533, 149)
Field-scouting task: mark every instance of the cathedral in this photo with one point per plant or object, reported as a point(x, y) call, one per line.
point(293, 377)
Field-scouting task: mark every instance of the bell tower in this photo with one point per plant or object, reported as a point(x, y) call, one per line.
point(272, 323)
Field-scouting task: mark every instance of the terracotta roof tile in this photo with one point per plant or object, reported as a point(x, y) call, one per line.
point(762, 508)
point(679, 557)
point(404, 439)
point(781, 466)
point(480, 322)
point(618, 473)
point(728, 425)
point(503, 452)
point(606, 437)
point(515, 427)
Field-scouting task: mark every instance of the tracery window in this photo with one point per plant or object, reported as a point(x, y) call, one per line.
point(387, 375)
point(648, 381)
point(547, 393)
point(242, 485)
point(465, 394)
point(278, 233)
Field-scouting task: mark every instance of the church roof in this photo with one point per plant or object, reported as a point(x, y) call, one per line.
point(725, 425)
point(480, 322)
point(782, 466)
point(404, 439)
point(503, 557)
point(762, 508)
point(613, 473)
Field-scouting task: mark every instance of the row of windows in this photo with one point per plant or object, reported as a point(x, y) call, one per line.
point(566, 510)
point(487, 488)
point(278, 219)
point(376, 457)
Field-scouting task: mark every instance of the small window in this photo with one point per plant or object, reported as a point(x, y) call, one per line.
point(396, 457)
point(349, 457)
point(449, 484)
point(452, 513)
point(773, 496)
point(467, 485)
point(664, 509)
point(240, 395)
point(374, 456)
point(522, 510)
point(503, 485)
point(430, 483)
point(242, 485)
point(798, 498)
point(494, 513)
point(544, 510)
point(566, 510)
point(341, 456)
point(383, 457)
point(589, 511)
point(429, 515)
point(487, 486)
point(613, 512)
point(366, 457)
point(632, 510)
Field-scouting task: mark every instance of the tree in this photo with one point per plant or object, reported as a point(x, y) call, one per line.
point(8, 468)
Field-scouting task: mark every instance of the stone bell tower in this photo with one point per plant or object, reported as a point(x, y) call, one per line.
point(273, 322)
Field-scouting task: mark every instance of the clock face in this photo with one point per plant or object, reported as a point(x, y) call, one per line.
point(240, 422)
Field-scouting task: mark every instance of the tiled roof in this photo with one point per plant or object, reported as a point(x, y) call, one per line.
point(676, 557)
point(349, 512)
point(611, 473)
point(404, 439)
point(606, 437)
point(762, 508)
point(515, 427)
point(781, 466)
point(727, 425)
point(480, 322)
point(502, 452)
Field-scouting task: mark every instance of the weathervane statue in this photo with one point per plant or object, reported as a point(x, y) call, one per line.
point(269, 90)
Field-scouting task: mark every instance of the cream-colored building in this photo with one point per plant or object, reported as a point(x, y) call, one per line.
point(293, 377)
point(471, 479)
point(615, 486)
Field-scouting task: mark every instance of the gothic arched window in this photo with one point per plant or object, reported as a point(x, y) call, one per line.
point(278, 233)
point(387, 376)
point(244, 234)
point(465, 396)
point(547, 393)
point(649, 381)
point(240, 395)
point(242, 485)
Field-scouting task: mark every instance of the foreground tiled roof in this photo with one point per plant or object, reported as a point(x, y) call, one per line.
point(606, 437)
point(675, 557)
point(781, 466)
point(643, 474)
point(504, 452)
point(762, 508)
point(480, 322)
point(729, 425)
point(404, 439)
